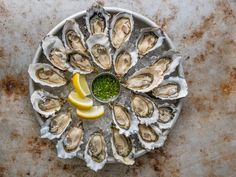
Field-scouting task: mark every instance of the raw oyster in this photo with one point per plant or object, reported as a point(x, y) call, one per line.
point(69, 144)
point(46, 75)
point(95, 153)
point(122, 147)
point(150, 136)
point(149, 39)
point(55, 126)
point(55, 52)
point(80, 63)
point(151, 76)
point(167, 115)
point(171, 89)
point(72, 37)
point(123, 59)
point(45, 103)
point(97, 20)
point(121, 28)
point(144, 108)
point(124, 119)
point(99, 48)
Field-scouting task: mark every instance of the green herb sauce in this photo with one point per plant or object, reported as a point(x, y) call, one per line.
point(105, 87)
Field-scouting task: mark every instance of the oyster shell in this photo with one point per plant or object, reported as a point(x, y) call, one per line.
point(80, 63)
point(45, 103)
point(167, 115)
point(124, 119)
point(144, 108)
point(55, 52)
point(55, 126)
point(122, 147)
point(95, 153)
point(171, 89)
point(99, 48)
point(123, 59)
point(150, 136)
point(121, 28)
point(72, 37)
point(69, 144)
point(149, 39)
point(97, 20)
point(151, 76)
point(46, 75)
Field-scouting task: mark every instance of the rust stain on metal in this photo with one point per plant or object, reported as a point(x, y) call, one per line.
point(228, 86)
point(3, 9)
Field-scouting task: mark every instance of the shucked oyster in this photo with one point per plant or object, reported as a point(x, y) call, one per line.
point(123, 59)
point(46, 75)
point(80, 63)
point(69, 144)
point(122, 147)
point(124, 119)
point(171, 88)
point(97, 20)
point(149, 39)
point(144, 108)
point(150, 136)
point(168, 115)
point(95, 153)
point(99, 48)
point(151, 76)
point(45, 103)
point(72, 37)
point(55, 52)
point(121, 28)
point(55, 126)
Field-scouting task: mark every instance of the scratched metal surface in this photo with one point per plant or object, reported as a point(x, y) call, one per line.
point(203, 142)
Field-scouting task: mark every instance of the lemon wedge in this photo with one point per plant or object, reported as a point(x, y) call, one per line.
point(93, 113)
point(81, 103)
point(80, 84)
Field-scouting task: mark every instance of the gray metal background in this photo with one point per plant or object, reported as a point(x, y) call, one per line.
point(202, 143)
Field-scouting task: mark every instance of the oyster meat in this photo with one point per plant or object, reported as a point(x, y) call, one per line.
point(80, 63)
point(46, 75)
point(100, 51)
point(149, 39)
point(124, 119)
point(72, 37)
point(144, 108)
point(95, 153)
point(69, 144)
point(123, 59)
point(121, 28)
point(55, 52)
point(97, 20)
point(122, 147)
point(171, 89)
point(45, 103)
point(55, 126)
point(150, 136)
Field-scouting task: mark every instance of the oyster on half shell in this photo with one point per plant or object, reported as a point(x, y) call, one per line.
point(149, 39)
point(122, 147)
point(72, 37)
point(69, 144)
point(46, 103)
point(150, 136)
point(97, 20)
point(121, 28)
point(46, 75)
point(99, 48)
point(95, 153)
point(144, 108)
point(55, 52)
point(171, 89)
point(55, 126)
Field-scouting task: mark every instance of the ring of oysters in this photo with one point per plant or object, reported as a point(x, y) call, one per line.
point(110, 44)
